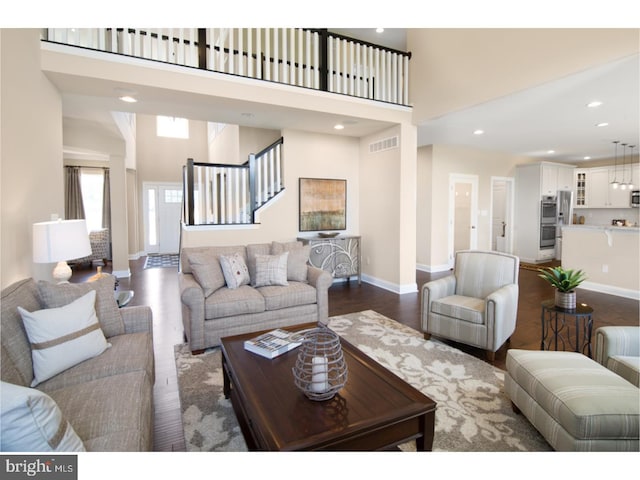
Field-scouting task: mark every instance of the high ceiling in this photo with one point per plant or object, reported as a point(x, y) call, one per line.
point(550, 117)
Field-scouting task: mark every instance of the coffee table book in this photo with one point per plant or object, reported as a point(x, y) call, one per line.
point(273, 343)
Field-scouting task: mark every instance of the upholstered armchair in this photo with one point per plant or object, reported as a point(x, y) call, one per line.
point(618, 349)
point(477, 305)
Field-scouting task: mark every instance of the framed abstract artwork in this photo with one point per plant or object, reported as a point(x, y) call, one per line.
point(323, 204)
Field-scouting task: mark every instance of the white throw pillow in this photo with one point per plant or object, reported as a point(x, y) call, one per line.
point(235, 270)
point(33, 422)
point(271, 270)
point(63, 337)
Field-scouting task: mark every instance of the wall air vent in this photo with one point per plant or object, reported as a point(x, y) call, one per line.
point(384, 144)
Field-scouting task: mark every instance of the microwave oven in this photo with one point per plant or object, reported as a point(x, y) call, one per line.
point(635, 198)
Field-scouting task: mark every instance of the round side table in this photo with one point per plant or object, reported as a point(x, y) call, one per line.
point(562, 328)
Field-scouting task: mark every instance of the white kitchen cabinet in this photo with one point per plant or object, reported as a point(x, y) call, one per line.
point(600, 192)
point(555, 177)
point(565, 178)
point(582, 178)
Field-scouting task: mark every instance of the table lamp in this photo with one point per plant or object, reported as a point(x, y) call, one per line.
point(59, 241)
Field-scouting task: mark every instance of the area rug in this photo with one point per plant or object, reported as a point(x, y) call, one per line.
point(473, 412)
point(162, 260)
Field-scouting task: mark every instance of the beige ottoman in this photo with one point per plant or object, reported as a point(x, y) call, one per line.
point(573, 401)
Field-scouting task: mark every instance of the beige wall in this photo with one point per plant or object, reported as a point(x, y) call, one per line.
point(30, 153)
point(456, 71)
point(424, 206)
point(254, 140)
point(305, 155)
point(441, 161)
point(223, 148)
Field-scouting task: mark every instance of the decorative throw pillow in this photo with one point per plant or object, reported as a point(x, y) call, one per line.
point(253, 250)
point(109, 316)
point(298, 259)
point(63, 337)
point(207, 272)
point(33, 422)
point(235, 270)
point(271, 270)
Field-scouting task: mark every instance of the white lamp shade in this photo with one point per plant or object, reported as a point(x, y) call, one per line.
point(60, 240)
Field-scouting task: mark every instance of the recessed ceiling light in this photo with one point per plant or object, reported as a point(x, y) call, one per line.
point(478, 132)
point(602, 124)
point(128, 99)
point(586, 158)
point(379, 30)
point(551, 151)
point(594, 104)
point(338, 126)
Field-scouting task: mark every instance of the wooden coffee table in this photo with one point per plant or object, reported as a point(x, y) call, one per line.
point(375, 410)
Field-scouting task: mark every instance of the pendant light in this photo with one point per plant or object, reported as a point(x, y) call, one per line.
point(615, 183)
point(623, 186)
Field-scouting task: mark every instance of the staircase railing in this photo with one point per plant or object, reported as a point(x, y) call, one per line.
point(220, 194)
point(309, 58)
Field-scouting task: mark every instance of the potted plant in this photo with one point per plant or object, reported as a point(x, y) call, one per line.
point(565, 281)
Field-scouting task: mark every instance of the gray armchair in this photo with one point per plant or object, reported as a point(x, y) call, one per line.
point(477, 305)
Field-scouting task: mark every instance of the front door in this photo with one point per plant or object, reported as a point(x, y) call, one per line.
point(162, 216)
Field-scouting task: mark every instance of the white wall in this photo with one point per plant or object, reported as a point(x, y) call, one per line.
point(30, 153)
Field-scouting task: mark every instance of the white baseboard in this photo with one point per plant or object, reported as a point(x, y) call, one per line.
point(611, 290)
point(122, 273)
point(136, 256)
point(392, 287)
point(432, 268)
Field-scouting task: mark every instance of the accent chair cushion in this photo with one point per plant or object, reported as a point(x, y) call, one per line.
point(109, 316)
point(271, 270)
point(63, 337)
point(628, 367)
point(235, 270)
point(33, 422)
point(469, 309)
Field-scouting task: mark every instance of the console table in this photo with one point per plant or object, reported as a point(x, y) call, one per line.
point(340, 256)
point(557, 329)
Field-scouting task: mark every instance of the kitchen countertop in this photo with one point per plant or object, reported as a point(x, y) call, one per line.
point(604, 227)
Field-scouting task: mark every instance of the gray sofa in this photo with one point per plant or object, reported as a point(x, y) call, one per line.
point(211, 310)
point(107, 399)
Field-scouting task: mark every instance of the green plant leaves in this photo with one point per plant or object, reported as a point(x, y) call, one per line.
point(564, 280)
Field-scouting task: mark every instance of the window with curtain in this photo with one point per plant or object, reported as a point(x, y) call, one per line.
point(92, 181)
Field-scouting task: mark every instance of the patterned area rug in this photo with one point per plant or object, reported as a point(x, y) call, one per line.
point(162, 260)
point(473, 413)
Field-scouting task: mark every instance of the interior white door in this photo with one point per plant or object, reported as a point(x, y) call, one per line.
point(463, 207)
point(502, 198)
point(162, 213)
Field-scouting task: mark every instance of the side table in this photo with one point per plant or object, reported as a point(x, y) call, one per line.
point(560, 331)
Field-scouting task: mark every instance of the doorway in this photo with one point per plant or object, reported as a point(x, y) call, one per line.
point(463, 214)
point(162, 203)
point(502, 200)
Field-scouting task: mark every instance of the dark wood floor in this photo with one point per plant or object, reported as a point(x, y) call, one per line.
point(158, 288)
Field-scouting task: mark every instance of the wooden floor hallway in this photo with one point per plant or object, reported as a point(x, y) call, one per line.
point(158, 288)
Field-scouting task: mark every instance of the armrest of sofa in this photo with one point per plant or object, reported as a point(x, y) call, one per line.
point(434, 290)
point(192, 299)
point(321, 280)
point(137, 319)
point(616, 340)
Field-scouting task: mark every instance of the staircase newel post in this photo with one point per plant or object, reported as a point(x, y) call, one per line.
point(202, 48)
point(324, 60)
point(189, 192)
point(252, 187)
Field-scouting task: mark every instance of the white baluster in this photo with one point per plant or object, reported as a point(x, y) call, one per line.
point(278, 167)
point(250, 52)
point(308, 62)
point(292, 56)
point(276, 52)
point(330, 67)
point(267, 54)
point(406, 79)
point(258, 53)
point(300, 57)
point(285, 65)
point(357, 72)
point(394, 77)
point(232, 52)
point(241, 51)
point(345, 80)
point(316, 60)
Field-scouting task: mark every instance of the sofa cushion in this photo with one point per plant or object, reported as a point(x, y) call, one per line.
point(215, 252)
point(228, 302)
point(113, 413)
point(16, 363)
point(628, 367)
point(235, 270)
point(132, 352)
point(207, 271)
point(298, 260)
point(271, 270)
point(294, 294)
point(469, 309)
point(253, 250)
point(32, 422)
point(63, 337)
point(58, 295)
